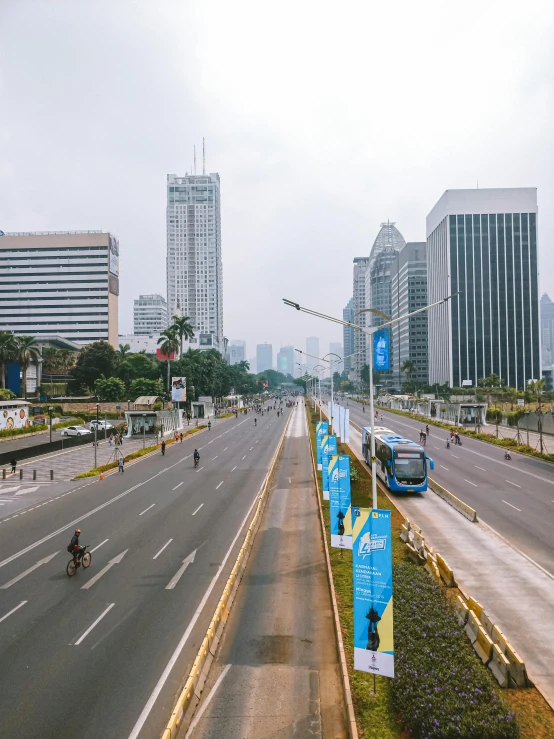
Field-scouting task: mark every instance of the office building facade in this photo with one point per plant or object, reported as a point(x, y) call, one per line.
point(264, 357)
point(194, 263)
point(149, 315)
point(547, 331)
point(358, 359)
point(286, 360)
point(348, 335)
point(483, 244)
point(408, 294)
point(63, 283)
point(237, 351)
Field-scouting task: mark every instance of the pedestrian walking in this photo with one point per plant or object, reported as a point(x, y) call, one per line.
point(120, 465)
point(13, 464)
point(163, 448)
point(111, 439)
point(181, 437)
point(209, 425)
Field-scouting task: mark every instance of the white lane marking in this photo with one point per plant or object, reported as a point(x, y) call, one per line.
point(147, 509)
point(480, 468)
point(161, 550)
point(30, 490)
point(179, 485)
point(471, 483)
point(13, 611)
point(444, 468)
point(199, 507)
point(289, 480)
point(99, 545)
point(27, 572)
point(213, 460)
point(207, 701)
point(512, 483)
point(179, 648)
point(234, 468)
point(91, 627)
point(226, 448)
point(111, 563)
point(434, 447)
point(511, 506)
point(200, 470)
point(455, 456)
point(244, 457)
point(220, 484)
point(257, 440)
point(180, 572)
point(251, 448)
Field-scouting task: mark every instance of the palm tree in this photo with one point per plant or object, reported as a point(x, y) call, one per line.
point(27, 351)
point(409, 368)
point(184, 330)
point(124, 349)
point(7, 353)
point(169, 344)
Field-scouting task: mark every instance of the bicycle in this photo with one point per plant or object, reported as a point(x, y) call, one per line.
point(196, 462)
point(85, 559)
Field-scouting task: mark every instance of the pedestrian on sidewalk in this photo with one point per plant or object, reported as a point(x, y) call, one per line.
point(163, 448)
point(120, 465)
point(13, 464)
point(111, 439)
point(181, 437)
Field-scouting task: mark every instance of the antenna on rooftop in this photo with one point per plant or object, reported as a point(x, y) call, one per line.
point(203, 155)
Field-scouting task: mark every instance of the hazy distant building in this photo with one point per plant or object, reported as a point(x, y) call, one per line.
point(336, 348)
point(194, 265)
point(483, 243)
point(408, 293)
point(312, 347)
point(237, 351)
point(348, 335)
point(285, 360)
point(358, 318)
point(149, 314)
point(264, 357)
point(547, 331)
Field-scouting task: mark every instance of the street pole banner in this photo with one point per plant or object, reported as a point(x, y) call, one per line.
point(336, 420)
point(372, 578)
point(381, 350)
point(339, 501)
point(321, 430)
point(346, 427)
point(328, 449)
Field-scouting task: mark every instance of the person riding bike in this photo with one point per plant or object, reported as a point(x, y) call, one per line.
point(196, 456)
point(209, 425)
point(74, 547)
point(448, 442)
point(255, 422)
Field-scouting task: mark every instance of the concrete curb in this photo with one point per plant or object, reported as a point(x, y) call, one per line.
point(456, 503)
point(189, 698)
point(353, 727)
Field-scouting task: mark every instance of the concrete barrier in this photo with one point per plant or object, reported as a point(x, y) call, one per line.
point(461, 610)
point(472, 626)
point(499, 666)
point(483, 645)
point(474, 606)
point(452, 500)
point(446, 572)
point(517, 671)
point(499, 639)
point(486, 623)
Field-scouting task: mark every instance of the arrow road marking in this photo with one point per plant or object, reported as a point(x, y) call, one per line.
point(12, 489)
point(27, 572)
point(111, 563)
point(28, 490)
point(13, 611)
point(177, 576)
point(91, 627)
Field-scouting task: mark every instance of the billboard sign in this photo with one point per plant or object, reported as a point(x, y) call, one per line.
point(328, 449)
point(114, 255)
point(381, 350)
point(178, 389)
point(339, 501)
point(372, 579)
point(16, 417)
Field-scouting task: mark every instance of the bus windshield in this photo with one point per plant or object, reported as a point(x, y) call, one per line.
point(409, 466)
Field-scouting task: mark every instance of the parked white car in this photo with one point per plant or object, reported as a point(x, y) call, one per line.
point(101, 425)
point(76, 431)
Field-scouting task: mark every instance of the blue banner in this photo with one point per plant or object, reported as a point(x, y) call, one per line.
point(381, 350)
point(372, 576)
point(339, 502)
point(328, 449)
point(321, 430)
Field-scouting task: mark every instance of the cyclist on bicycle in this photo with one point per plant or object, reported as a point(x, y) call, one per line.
point(74, 547)
point(196, 456)
point(255, 422)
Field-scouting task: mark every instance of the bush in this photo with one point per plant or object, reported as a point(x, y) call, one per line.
point(65, 424)
point(440, 688)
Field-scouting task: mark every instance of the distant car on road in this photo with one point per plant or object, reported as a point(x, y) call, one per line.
point(76, 431)
point(101, 425)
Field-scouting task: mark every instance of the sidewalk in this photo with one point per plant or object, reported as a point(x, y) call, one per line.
point(277, 673)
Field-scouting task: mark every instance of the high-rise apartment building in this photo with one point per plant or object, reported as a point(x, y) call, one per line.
point(547, 331)
point(408, 294)
point(358, 318)
point(285, 361)
point(149, 314)
point(194, 265)
point(348, 335)
point(264, 357)
point(237, 351)
point(312, 347)
point(63, 283)
point(483, 244)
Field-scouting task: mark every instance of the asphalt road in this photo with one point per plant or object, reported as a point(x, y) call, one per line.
point(515, 498)
point(277, 673)
point(104, 654)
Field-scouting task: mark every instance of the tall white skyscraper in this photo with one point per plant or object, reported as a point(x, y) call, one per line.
point(194, 266)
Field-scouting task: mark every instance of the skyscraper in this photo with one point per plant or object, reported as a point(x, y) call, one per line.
point(547, 331)
point(149, 315)
point(348, 335)
point(194, 268)
point(237, 351)
point(483, 243)
point(264, 357)
point(285, 360)
point(358, 318)
point(408, 293)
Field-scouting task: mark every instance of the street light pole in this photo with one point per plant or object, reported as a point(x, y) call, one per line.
point(50, 410)
point(96, 438)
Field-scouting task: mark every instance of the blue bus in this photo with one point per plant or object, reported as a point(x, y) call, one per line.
point(400, 463)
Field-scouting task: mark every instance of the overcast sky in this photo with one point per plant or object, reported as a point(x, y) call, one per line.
point(323, 119)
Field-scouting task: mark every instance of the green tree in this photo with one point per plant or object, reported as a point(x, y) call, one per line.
point(27, 351)
point(184, 330)
point(94, 361)
point(408, 368)
point(138, 365)
point(6, 394)
point(144, 386)
point(8, 353)
point(110, 389)
point(124, 350)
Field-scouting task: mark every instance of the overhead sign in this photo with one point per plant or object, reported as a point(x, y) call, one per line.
point(178, 389)
point(114, 255)
point(328, 449)
point(321, 430)
point(381, 350)
point(372, 579)
point(339, 501)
